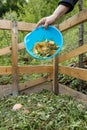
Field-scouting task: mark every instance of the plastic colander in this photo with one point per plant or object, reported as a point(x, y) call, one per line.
point(41, 34)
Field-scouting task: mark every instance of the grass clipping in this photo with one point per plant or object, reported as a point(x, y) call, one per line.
point(42, 111)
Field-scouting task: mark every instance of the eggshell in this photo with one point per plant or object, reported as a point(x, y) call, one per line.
point(17, 107)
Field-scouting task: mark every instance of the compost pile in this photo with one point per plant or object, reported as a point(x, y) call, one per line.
point(45, 49)
point(42, 111)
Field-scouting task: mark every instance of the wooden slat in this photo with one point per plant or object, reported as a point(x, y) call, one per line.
point(5, 90)
point(38, 88)
point(4, 70)
point(75, 52)
point(21, 46)
point(67, 56)
point(74, 72)
point(22, 26)
point(32, 83)
point(35, 69)
point(73, 21)
point(5, 24)
point(63, 89)
point(62, 58)
point(7, 50)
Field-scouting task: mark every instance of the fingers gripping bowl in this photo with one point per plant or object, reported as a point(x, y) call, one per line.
point(44, 43)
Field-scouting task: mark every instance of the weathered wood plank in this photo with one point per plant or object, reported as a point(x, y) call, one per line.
point(15, 58)
point(21, 46)
point(39, 88)
point(75, 52)
point(63, 89)
point(22, 26)
point(69, 23)
point(73, 21)
point(32, 83)
point(35, 69)
point(5, 90)
point(5, 24)
point(74, 72)
point(5, 70)
point(62, 58)
point(7, 50)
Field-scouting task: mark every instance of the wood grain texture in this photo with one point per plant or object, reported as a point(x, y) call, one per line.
point(74, 72)
point(8, 49)
point(73, 21)
point(63, 89)
point(15, 57)
point(70, 71)
point(22, 26)
point(73, 53)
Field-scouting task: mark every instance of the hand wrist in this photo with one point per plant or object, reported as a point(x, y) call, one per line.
point(60, 11)
point(54, 16)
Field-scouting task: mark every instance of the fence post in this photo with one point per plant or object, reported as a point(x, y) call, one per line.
point(14, 34)
point(81, 42)
point(55, 75)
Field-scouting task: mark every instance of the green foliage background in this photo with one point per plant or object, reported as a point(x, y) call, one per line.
point(32, 11)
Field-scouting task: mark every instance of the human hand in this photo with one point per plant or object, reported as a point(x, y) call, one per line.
point(46, 21)
point(60, 11)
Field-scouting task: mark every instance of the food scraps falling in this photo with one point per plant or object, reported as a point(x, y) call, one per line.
point(45, 48)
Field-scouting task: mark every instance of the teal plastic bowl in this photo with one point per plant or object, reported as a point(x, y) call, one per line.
point(41, 34)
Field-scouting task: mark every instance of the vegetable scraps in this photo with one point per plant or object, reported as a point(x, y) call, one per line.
point(45, 49)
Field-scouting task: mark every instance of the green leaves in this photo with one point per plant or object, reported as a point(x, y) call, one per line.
point(34, 10)
point(42, 111)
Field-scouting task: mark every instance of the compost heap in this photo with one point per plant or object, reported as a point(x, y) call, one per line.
point(42, 111)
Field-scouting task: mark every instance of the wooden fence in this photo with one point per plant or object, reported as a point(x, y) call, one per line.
point(52, 70)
